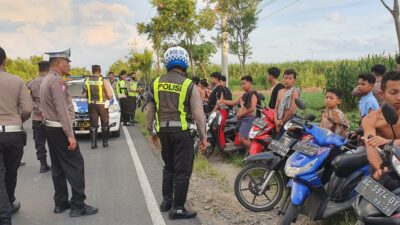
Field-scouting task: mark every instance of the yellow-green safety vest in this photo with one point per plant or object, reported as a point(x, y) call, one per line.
point(181, 90)
point(95, 89)
point(123, 89)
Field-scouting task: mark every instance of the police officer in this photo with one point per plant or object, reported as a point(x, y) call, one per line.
point(123, 93)
point(99, 93)
point(132, 86)
point(66, 159)
point(176, 100)
point(113, 80)
point(15, 108)
point(39, 135)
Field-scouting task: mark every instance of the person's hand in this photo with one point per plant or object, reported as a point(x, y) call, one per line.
point(379, 172)
point(72, 143)
point(203, 145)
point(221, 101)
point(377, 141)
point(239, 115)
point(154, 140)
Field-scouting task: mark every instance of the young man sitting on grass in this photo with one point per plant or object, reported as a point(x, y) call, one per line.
point(332, 118)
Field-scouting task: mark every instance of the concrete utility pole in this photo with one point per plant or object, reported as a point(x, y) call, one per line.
point(224, 50)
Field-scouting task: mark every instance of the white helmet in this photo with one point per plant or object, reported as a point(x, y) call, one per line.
point(176, 57)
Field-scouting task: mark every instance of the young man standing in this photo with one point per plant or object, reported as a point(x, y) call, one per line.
point(376, 127)
point(273, 74)
point(219, 92)
point(247, 110)
point(367, 102)
point(377, 71)
point(228, 93)
point(285, 106)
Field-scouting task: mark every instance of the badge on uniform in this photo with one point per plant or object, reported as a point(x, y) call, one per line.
point(63, 87)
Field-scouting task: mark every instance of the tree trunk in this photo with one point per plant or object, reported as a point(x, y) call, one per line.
point(203, 69)
point(395, 14)
point(158, 63)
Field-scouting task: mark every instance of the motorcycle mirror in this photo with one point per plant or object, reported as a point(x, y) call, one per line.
point(261, 97)
point(390, 114)
point(311, 117)
point(300, 103)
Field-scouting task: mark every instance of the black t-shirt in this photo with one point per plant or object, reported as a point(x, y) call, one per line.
point(216, 95)
point(274, 95)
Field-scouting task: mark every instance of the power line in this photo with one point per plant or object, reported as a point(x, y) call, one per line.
point(267, 4)
point(280, 10)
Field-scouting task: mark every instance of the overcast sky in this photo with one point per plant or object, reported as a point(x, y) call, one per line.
point(99, 32)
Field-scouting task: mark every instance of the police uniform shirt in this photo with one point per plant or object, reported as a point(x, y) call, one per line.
point(56, 102)
point(168, 112)
point(34, 87)
point(15, 101)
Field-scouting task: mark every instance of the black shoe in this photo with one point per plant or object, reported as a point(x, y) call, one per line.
point(61, 209)
point(165, 206)
point(44, 168)
point(181, 213)
point(128, 124)
point(84, 211)
point(15, 206)
point(105, 132)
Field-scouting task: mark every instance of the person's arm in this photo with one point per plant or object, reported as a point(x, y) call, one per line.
point(278, 102)
point(336, 118)
point(198, 115)
point(108, 89)
point(356, 92)
point(150, 110)
point(25, 102)
point(292, 108)
point(60, 103)
point(230, 102)
point(247, 111)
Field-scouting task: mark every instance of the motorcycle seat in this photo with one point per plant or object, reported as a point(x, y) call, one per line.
point(346, 164)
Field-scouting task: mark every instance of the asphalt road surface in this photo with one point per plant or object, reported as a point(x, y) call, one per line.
point(123, 181)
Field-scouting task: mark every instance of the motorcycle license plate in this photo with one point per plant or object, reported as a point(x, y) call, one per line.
point(260, 123)
point(280, 147)
point(378, 195)
point(305, 147)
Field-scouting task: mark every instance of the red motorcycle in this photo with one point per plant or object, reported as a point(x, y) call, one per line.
point(261, 132)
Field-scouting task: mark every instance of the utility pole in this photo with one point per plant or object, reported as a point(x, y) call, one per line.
point(224, 49)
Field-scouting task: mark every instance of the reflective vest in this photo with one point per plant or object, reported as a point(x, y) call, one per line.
point(123, 89)
point(174, 90)
point(95, 89)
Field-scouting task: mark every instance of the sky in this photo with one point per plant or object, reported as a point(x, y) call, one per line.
point(101, 32)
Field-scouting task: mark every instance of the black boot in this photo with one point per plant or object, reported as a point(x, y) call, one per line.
point(105, 132)
point(44, 167)
point(167, 190)
point(181, 213)
point(93, 137)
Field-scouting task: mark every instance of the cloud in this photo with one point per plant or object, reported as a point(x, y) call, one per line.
point(40, 12)
point(335, 17)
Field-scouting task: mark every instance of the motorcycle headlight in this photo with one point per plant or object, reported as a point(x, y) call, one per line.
point(293, 171)
point(289, 125)
point(113, 108)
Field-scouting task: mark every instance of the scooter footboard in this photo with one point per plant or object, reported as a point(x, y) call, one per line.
point(300, 192)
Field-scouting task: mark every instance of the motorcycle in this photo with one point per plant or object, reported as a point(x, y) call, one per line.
point(309, 195)
point(263, 174)
point(375, 204)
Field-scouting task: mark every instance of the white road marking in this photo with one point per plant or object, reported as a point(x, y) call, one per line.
point(151, 202)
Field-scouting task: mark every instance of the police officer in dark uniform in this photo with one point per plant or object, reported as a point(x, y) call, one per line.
point(122, 94)
point(15, 108)
point(39, 135)
point(176, 101)
point(99, 93)
point(66, 159)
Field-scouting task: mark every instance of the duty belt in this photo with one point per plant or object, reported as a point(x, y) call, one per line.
point(97, 103)
point(50, 123)
point(165, 124)
point(10, 129)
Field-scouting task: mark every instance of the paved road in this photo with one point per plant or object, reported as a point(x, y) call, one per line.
point(112, 184)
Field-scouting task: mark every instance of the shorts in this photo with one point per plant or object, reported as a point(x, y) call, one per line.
point(245, 126)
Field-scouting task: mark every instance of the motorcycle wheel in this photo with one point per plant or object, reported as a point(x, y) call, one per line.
point(196, 146)
point(248, 183)
point(290, 215)
point(209, 151)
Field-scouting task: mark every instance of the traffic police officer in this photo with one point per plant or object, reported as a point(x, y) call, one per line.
point(132, 86)
point(39, 135)
point(175, 102)
point(123, 93)
point(15, 108)
point(99, 94)
point(66, 159)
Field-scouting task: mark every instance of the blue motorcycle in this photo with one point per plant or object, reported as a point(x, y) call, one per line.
point(306, 167)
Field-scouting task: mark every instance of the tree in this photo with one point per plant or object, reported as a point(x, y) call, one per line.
point(118, 66)
point(177, 22)
point(79, 71)
point(395, 14)
point(202, 54)
point(241, 21)
point(141, 62)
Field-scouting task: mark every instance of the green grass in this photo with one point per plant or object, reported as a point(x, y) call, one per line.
point(236, 160)
point(204, 169)
point(141, 118)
